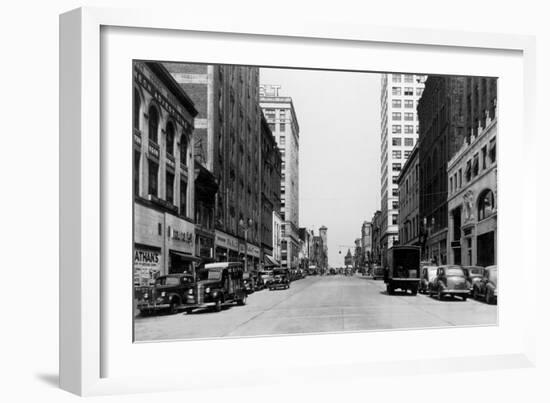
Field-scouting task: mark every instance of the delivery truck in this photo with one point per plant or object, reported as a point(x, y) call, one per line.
point(403, 269)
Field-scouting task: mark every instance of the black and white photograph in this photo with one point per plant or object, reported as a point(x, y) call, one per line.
point(282, 201)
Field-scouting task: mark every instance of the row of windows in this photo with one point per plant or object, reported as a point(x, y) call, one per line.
point(409, 116)
point(407, 78)
point(408, 129)
point(407, 103)
point(396, 154)
point(406, 91)
point(474, 166)
point(396, 141)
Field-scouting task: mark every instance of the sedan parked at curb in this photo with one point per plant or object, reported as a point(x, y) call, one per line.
point(450, 280)
point(487, 287)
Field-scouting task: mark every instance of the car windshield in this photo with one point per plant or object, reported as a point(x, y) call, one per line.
point(210, 274)
point(476, 271)
point(279, 272)
point(432, 271)
point(454, 271)
point(169, 280)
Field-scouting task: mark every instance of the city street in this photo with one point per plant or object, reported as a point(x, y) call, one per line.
point(318, 304)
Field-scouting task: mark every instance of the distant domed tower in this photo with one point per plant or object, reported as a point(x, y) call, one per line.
point(348, 260)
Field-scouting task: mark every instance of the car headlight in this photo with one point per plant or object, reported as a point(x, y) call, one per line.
point(163, 294)
point(190, 292)
point(207, 290)
point(145, 296)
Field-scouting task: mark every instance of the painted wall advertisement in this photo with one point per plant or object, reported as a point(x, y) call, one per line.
point(146, 265)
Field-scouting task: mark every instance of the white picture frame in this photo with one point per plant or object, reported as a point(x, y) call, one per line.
point(87, 322)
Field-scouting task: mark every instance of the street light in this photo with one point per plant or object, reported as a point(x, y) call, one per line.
point(245, 229)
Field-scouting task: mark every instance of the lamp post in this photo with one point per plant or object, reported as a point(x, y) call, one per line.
point(245, 229)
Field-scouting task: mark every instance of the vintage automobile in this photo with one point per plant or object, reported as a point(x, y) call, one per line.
point(487, 287)
point(249, 283)
point(473, 275)
point(167, 293)
point(449, 280)
point(267, 277)
point(281, 279)
point(377, 272)
point(218, 284)
point(427, 275)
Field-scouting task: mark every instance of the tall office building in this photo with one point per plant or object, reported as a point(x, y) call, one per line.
point(399, 133)
point(281, 118)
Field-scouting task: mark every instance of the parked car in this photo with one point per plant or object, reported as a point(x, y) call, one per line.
point(281, 279)
point(218, 284)
point(487, 287)
point(449, 280)
point(249, 283)
point(267, 277)
point(166, 294)
point(427, 275)
point(377, 272)
point(473, 275)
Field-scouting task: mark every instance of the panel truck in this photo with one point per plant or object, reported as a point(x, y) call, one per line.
point(403, 269)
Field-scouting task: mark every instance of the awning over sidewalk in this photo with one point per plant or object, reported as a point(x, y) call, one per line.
point(270, 262)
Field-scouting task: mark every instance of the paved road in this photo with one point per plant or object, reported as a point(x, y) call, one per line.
point(318, 304)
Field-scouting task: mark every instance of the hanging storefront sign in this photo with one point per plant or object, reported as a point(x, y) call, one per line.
point(226, 241)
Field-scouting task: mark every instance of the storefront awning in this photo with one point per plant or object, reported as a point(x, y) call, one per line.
point(186, 256)
point(270, 262)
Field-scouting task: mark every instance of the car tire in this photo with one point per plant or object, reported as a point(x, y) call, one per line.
point(488, 297)
point(173, 308)
point(218, 306)
point(440, 296)
point(414, 291)
point(464, 298)
point(242, 301)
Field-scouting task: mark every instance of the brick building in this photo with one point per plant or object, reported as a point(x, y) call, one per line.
point(227, 144)
point(441, 115)
point(409, 192)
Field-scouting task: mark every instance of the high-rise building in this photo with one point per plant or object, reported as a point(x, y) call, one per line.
point(323, 233)
point(399, 133)
point(366, 241)
point(281, 118)
point(227, 143)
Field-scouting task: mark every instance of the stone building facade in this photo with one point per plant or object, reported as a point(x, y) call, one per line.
point(281, 118)
point(163, 175)
point(409, 218)
point(472, 200)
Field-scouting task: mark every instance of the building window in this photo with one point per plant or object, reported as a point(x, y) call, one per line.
point(153, 178)
point(396, 141)
point(183, 150)
point(396, 115)
point(409, 91)
point(484, 157)
point(183, 198)
point(394, 192)
point(460, 178)
point(409, 129)
point(396, 91)
point(271, 127)
point(396, 166)
point(170, 133)
point(486, 204)
point(407, 153)
point(394, 219)
point(153, 124)
point(396, 154)
point(394, 179)
point(450, 184)
point(409, 141)
point(395, 204)
point(493, 150)
point(396, 78)
point(281, 127)
point(137, 106)
point(409, 78)
point(409, 116)
point(170, 187)
point(468, 171)
point(396, 129)
point(419, 91)
point(282, 140)
point(137, 158)
point(409, 103)
point(396, 103)
point(475, 166)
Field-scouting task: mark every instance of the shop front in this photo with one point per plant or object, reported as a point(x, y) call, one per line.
point(226, 246)
point(180, 245)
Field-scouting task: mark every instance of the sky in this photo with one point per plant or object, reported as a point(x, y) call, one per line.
point(339, 118)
